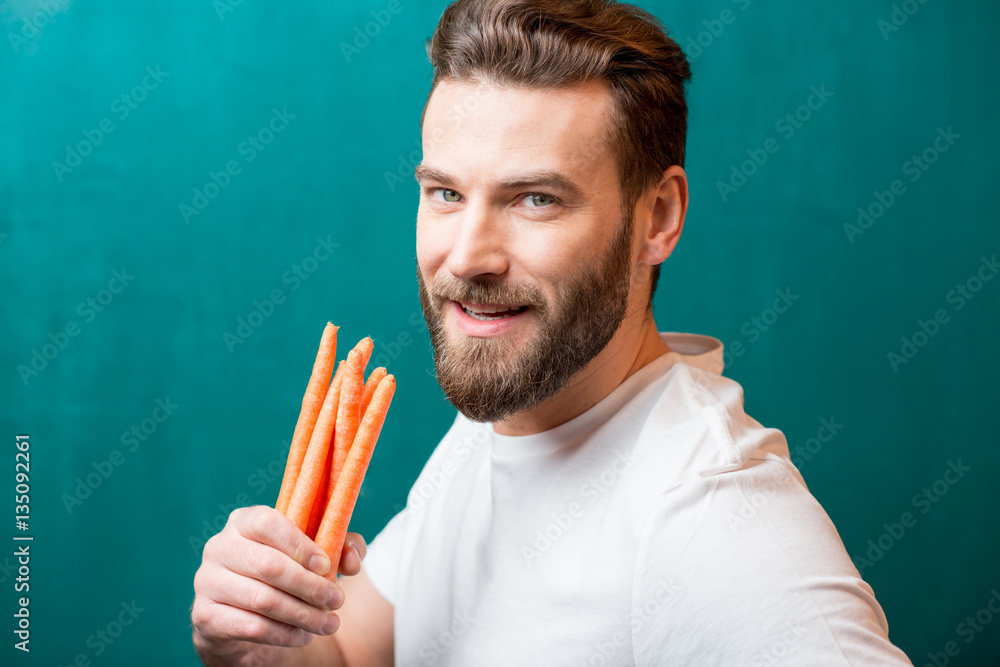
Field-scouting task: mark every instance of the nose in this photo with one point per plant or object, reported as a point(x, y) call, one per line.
point(479, 249)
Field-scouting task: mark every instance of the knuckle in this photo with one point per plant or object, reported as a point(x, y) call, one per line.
point(320, 593)
point(236, 516)
point(200, 585)
point(253, 628)
point(259, 523)
point(200, 618)
point(287, 635)
point(270, 568)
point(262, 599)
point(211, 550)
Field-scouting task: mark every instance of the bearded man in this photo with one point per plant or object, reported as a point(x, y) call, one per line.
point(601, 498)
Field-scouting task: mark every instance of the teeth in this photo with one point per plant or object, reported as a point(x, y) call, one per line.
point(484, 318)
point(488, 313)
point(488, 309)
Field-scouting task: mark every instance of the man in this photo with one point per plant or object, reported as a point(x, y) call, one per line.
point(601, 498)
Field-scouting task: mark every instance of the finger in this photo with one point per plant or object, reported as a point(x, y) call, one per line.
point(220, 623)
point(264, 600)
point(352, 554)
point(269, 526)
point(277, 569)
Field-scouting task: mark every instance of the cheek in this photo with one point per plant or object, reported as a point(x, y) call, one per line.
point(432, 246)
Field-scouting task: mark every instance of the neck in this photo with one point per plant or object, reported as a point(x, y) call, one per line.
point(631, 348)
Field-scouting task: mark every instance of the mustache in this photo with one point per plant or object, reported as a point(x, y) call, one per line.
point(483, 292)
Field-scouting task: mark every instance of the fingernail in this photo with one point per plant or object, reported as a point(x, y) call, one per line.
point(331, 624)
point(319, 564)
point(335, 599)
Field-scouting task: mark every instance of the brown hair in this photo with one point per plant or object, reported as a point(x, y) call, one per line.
point(551, 43)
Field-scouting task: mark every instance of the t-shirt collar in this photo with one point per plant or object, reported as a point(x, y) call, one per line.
point(700, 351)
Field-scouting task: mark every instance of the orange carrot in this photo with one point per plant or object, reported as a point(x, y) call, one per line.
point(373, 380)
point(312, 402)
point(333, 530)
point(322, 496)
point(349, 412)
point(311, 474)
point(365, 347)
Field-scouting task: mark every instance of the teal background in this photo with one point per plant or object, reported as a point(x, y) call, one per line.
point(138, 535)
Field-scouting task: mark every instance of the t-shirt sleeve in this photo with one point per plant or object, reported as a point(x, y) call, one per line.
point(746, 567)
point(381, 564)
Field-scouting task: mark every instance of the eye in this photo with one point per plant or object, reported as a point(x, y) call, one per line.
point(539, 200)
point(449, 196)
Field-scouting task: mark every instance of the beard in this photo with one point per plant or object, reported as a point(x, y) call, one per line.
point(491, 379)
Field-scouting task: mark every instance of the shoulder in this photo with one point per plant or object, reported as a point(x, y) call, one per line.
point(697, 428)
point(753, 564)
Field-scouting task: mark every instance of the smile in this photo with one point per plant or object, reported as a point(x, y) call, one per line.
point(490, 312)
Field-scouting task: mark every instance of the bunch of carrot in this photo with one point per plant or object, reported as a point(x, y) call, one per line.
point(333, 442)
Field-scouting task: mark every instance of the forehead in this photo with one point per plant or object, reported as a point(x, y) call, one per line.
point(482, 131)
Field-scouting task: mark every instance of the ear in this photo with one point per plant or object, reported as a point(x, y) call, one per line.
point(664, 217)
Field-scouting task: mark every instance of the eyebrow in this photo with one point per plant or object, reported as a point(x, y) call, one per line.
point(536, 179)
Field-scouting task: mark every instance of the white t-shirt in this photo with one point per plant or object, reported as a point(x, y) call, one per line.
point(664, 526)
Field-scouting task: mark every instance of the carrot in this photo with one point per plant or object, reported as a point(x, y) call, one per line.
point(322, 496)
point(373, 380)
point(349, 412)
point(365, 347)
point(337, 515)
point(312, 402)
point(311, 474)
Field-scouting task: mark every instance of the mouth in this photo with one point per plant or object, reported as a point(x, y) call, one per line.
point(491, 312)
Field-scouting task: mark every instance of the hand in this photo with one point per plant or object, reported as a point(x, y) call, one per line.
point(261, 582)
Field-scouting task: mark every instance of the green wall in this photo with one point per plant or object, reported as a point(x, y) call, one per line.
point(326, 187)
